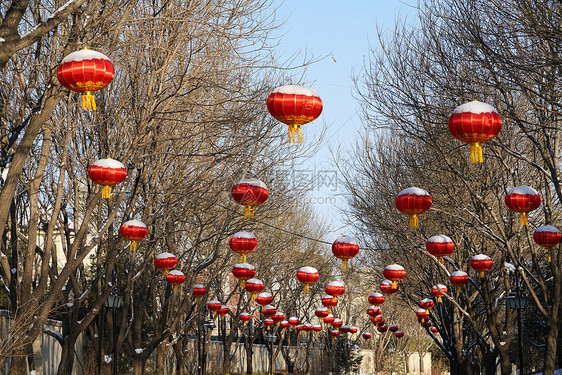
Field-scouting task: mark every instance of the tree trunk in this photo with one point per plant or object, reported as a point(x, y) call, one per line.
point(18, 364)
point(178, 351)
point(551, 344)
point(139, 364)
point(67, 357)
point(161, 359)
point(249, 355)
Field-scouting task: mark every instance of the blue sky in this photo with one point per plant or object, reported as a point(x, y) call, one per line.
point(342, 31)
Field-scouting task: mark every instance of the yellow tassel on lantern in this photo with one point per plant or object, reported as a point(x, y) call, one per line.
point(476, 153)
point(175, 287)
point(243, 283)
point(439, 300)
point(523, 218)
point(414, 221)
point(306, 288)
point(88, 101)
point(295, 135)
point(253, 296)
point(394, 285)
point(549, 255)
point(242, 258)
point(134, 248)
point(344, 265)
point(106, 192)
point(165, 273)
point(441, 260)
point(248, 212)
point(482, 274)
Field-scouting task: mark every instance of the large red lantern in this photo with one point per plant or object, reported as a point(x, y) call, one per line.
point(389, 287)
point(438, 291)
point(427, 304)
point(413, 201)
point(249, 193)
point(133, 230)
point(440, 246)
point(245, 317)
point(299, 328)
point(383, 328)
point(243, 243)
point(335, 288)
point(165, 262)
point(175, 278)
point(394, 273)
point(523, 199)
point(458, 278)
point(547, 236)
point(307, 327)
point(107, 172)
point(329, 302)
point(353, 330)
point(345, 248)
point(481, 263)
point(86, 71)
point(335, 333)
point(264, 299)
point(255, 286)
point(345, 329)
point(366, 335)
point(199, 291)
point(243, 272)
point(374, 311)
point(295, 106)
point(474, 123)
point(307, 275)
point(376, 298)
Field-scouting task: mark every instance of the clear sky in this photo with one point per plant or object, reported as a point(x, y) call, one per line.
point(343, 31)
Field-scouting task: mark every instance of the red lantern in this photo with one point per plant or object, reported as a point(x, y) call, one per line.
point(394, 273)
point(383, 328)
point(547, 236)
point(307, 327)
point(434, 330)
point(214, 305)
point(523, 199)
point(377, 320)
point(299, 328)
point(307, 276)
point(107, 172)
point(284, 324)
point(335, 288)
point(393, 328)
point(294, 321)
point(249, 193)
point(389, 287)
point(374, 311)
point(399, 334)
point(278, 317)
point(243, 272)
point(366, 335)
point(426, 324)
point(175, 278)
point(243, 243)
point(345, 248)
point(255, 286)
point(198, 291)
point(458, 278)
point(268, 322)
point(353, 330)
point(295, 106)
point(440, 246)
point(427, 304)
point(329, 319)
point(337, 323)
point(376, 298)
point(245, 317)
point(133, 230)
point(317, 328)
point(269, 310)
point(438, 291)
point(345, 329)
point(481, 263)
point(422, 314)
point(335, 333)
point(329, 302)
point(86, 71)
point(264, 299)
point(165, 262)
point(412, 202)
point(223, 311)
point(474, 123)
point(322, 312)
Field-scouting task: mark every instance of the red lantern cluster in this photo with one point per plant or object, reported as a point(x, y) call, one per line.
point(413, 201)
point(307, 275)
point(107, 172)
point(440, 246)
point(547, 236)
point(243, 243)
point(523, 199)
point(249, 193)
point(345, 248)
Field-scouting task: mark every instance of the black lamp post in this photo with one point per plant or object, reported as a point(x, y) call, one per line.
point(114, 301)
point(517, 301)
point(271, 340)
point(208, 326)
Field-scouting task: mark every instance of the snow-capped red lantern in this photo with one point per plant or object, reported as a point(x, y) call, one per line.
point(394, 273)
point(383, 328)
point(269, 310)
point(374, 311)
point(481, 263)
point(427, 304)
point(389, 287)
point(264, 299)
point(329, 319)
point(334, 333)
point(440, 246)
point(345, 248)
point(413, 201)
point(458, 278)
point(278, 317)
point(547, 236)
point(377, 299)
point(165, 262)
point(133, 230)
point(322, 312)
point(353, 330)
point(243, 243)
point(317, 328)
point(523, 199)
point(198, 291)
point(214, 305)
point(337, 323)
point(294, 321)
point(243, 272)
point(299, 328)
point(329, 302)
point(284, 324)
point(255, 286)
point(399, 334)
point(86, 71)
point(438, 291)
point(107, 172)
point(307, 327)
point(223, 311)
point(366, 335)
point(335, 288)
point(307, 275)
point(245, 317)
point(434, 329)
point(426, 324)
point(294, 105)
point(393, 328)
point(345, 329)
point(475, 123)
point(250, 193)
point(268, 322)
point(377, 320)
point(175, 278)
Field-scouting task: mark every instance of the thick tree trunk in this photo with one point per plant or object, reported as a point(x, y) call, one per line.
point(161, 359)
point(249, 355)
point(551, 344)
point(18, 365)
point(139, 364)
point(67, 357)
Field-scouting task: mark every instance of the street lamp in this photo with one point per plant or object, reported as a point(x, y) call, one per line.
point(271, 340)
point(517, 301)
point(208, 326)
point(114, 301)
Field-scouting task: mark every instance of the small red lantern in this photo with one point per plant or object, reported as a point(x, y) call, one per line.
point(427, 304)
point(394, 273)
point(366, 335)
point(337, 323)
point(307, 275)
point(345, 329)
point(393, 328)
point(294, 321)
point(458, 278)
point(243, 272)
point(249, 193)
point(165, 262)
point(278, 317)
point(413, 201)
point(438, 291)
point(294, 105)
point(329, 302)
point(474, 123)
point(175, 278)
point(307, 327)
point(86, 71)
point(389, 287)
point(399, 334)
point(383, 328)
point(353, 330)
point(345, 248)
point(264, 299)
point(199, 291)
point(223, 311)
point(422, 314)
point(329, 319)
point(434, 329)
point(284, 324)
point(269, 310)
point(374, 311)
point(107, 172)
point(426, 324)
point(376, 299)
point(243, 243)
point(440, 246)
point(133, 230)
point(377, 320)
point(547, 236)
point(322, 312)
point(255, 286)
point(214, 305)
point(523, 199)
point(245, 317)
point(299, 328)
point(481, 263)
point(335, 288)
point(268, 322)
point(317, 328)
point(335, 333)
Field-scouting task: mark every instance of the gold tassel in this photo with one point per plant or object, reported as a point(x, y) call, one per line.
point(306, 288)
point(523, 218)
point(248, 212)
point(242, 283)
point(439, 300)
point(242, 258)
point(88, 101)
point(344, 265)
point(175, 287)
point(295, 135)
point(106, 192)
point(394, 285)
point(476, 153)
point(482, 274)
point(441, 260)
point(549, 255)
point(133, 245)
point(165, 273)
point(414, 221)
point(253, 296)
